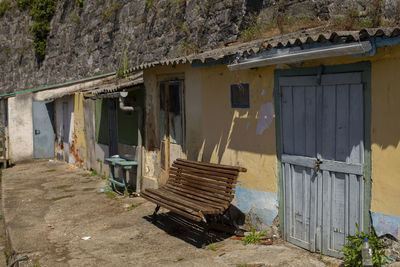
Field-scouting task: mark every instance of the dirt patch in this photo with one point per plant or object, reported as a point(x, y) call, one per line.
point(88, 189)
point(63, 186)
point(92, 229)
point(61, 197)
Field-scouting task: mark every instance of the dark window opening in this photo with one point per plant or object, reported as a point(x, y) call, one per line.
point(240, 95)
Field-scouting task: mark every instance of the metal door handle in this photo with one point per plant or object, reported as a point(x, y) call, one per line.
point(37, 132)
point(317, 164)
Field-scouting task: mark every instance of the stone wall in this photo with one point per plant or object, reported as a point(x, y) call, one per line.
point(92, 40)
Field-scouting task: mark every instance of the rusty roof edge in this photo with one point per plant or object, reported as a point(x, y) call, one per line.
point(309, 36)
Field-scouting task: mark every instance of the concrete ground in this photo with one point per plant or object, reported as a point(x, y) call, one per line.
point(51, 208)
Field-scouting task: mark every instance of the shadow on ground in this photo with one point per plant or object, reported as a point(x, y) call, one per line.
point(187, 230)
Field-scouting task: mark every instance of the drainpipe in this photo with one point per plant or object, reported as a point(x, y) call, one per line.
point(139, 110)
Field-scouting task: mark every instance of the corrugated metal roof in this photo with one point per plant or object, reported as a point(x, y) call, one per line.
point(117, 85)
point(99, 86)
point(310, 36)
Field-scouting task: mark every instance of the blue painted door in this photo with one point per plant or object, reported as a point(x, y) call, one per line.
point(322, 160)
point(43, 129)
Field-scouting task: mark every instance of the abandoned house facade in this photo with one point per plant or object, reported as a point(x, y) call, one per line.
point(311, 116)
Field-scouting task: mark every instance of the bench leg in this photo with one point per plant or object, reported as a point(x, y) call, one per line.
point(206, 228)
point(154, 216)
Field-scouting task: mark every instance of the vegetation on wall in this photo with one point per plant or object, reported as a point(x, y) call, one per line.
point(42, 12)
point(111, 11)
point(258, 26)
point(79, 5)
point(5, 5)
point(124, 68)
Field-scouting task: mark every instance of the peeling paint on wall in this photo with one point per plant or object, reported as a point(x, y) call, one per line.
point(386, 224)
point(265, 117)
point(262, 204)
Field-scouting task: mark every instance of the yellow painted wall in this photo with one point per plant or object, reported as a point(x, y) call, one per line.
point(386, 132)
point(79, 142)
point(228, 135)
point(216, 132)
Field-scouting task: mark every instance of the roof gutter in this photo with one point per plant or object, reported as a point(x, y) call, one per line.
point(53, 86)
point(286, 56)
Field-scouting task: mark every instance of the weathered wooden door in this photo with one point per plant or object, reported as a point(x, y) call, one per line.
point(172, 122)
point(113, 126)
point(322, 130)
point(43, 129)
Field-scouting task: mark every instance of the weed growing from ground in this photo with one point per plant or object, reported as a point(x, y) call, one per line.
point(212, 247)
point(7, 256)
point(352, 249)
point(254, 237)
point(133, 206)
point(110, 194)
point(326, 262)
point(95, 173)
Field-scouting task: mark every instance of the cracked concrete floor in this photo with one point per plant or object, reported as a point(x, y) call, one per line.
point(49, 207)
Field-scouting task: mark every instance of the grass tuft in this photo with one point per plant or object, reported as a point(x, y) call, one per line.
point(134, 206)
point(254, 236)
point(111, 195)
point(212, 247)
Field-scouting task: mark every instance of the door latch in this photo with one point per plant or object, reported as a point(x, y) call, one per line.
point(317, 164)
point(37, 132)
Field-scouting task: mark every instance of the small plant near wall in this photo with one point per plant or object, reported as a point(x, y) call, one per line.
point(254, 236)
point(352, 250)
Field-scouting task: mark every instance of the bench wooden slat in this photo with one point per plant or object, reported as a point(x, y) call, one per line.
point(211, 203)
point(202, 183)
point(171, 208)
point(207, 208)
point(202, 189)
point(196, 170)
point(213, 180)
point(207, 168)
point(172, 203)
point(180, 200)
point(211, 198)
point(240, 169)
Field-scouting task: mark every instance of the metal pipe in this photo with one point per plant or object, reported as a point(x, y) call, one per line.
point(289, 56)
point(139, 110)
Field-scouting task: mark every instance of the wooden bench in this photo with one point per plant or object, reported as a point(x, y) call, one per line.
point(196, 190)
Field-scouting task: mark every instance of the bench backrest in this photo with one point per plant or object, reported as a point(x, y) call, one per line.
point(211, 182)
